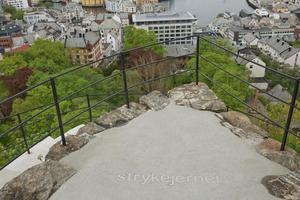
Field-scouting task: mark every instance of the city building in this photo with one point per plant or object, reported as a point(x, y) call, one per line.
point(143, 2)
point(280, 51)
point(112, 5)
point(38, 16)
point(167, 25)
point(236, 33)
point(84, 48)
point(257, 72)
point(92, 3)
point(126, 6)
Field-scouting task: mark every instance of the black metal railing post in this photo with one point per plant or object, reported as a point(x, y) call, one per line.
point(58, 112)
point(23, 133)
point(290, 115)
point(197, 60)
point(89, 107)
point(123, 69)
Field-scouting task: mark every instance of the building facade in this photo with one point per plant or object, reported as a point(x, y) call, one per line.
point(35, 17)
point(168, 25)
point(92, 3)
point(84, 48)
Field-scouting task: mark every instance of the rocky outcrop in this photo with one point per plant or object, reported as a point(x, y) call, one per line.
point(38, 182)
point(284, 186)
point(58, 151)
point(155, 100)
point(271, 150)
point(241, 121)
point(121, 116)
point(90, 128)
point(199, 97)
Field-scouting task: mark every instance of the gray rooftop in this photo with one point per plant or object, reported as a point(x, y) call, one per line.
point(81, 42)
point(164, 16)
point(282, 47)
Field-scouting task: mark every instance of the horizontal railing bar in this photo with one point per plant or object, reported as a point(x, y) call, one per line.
point(87, 86)
point(241, 100)
point(24, 91)
point(82, 66)
point(157, 43)
point(233, 53)
point(234, 76)
point(159, 78)
point(24, 122)
point(157, 61)
point(6, 164)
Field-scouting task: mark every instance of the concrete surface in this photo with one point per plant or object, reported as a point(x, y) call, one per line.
point(36, 156)
point(174, 154)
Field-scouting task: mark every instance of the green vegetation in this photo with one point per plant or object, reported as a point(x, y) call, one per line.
point(15, 13)
point(221, 82)
point(46, 59)
point(140, 37)
point(295, 44)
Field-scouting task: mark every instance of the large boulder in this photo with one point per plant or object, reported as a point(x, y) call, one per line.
point(199, 97)
point(283, 186)
point(38, 182)
point(241, 121)
point(271, 149)
point(121, 115)
point(90, 128)
point(155, 100)
point(58, 151)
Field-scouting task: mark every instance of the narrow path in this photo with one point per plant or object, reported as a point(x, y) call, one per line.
point(174, 154)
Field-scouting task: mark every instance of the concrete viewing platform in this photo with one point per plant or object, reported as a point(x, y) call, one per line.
point(175, 153)
point(183, 145)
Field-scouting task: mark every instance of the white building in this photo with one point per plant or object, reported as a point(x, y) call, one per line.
point(19, 4)
point(280, 51)
point(127, 6)
point(167, 25)
point(112, 5)
point(257, 72)
point(39, 16)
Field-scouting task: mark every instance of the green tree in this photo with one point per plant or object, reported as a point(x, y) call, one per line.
point(10, 64)
point(134, 37)
point(15, 13)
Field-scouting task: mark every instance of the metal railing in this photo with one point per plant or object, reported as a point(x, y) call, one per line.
point(125, 92)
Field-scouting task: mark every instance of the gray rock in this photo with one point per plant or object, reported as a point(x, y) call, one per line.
point(199, 97)
point(90, 128)
point(271, 150)
point(58, 151)
point(38, 182)
point(284, 186)
point(243, 122)
point(155, 100)
point(121, 115)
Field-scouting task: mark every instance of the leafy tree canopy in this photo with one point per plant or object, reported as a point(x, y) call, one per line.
point(134, 37)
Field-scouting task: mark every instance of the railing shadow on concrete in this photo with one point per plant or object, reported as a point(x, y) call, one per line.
point(125, 93)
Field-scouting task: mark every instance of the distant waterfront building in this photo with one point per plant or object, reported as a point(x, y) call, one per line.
point(236, 33)
point(19, 4)
point(92, 3)
point(167, 25)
